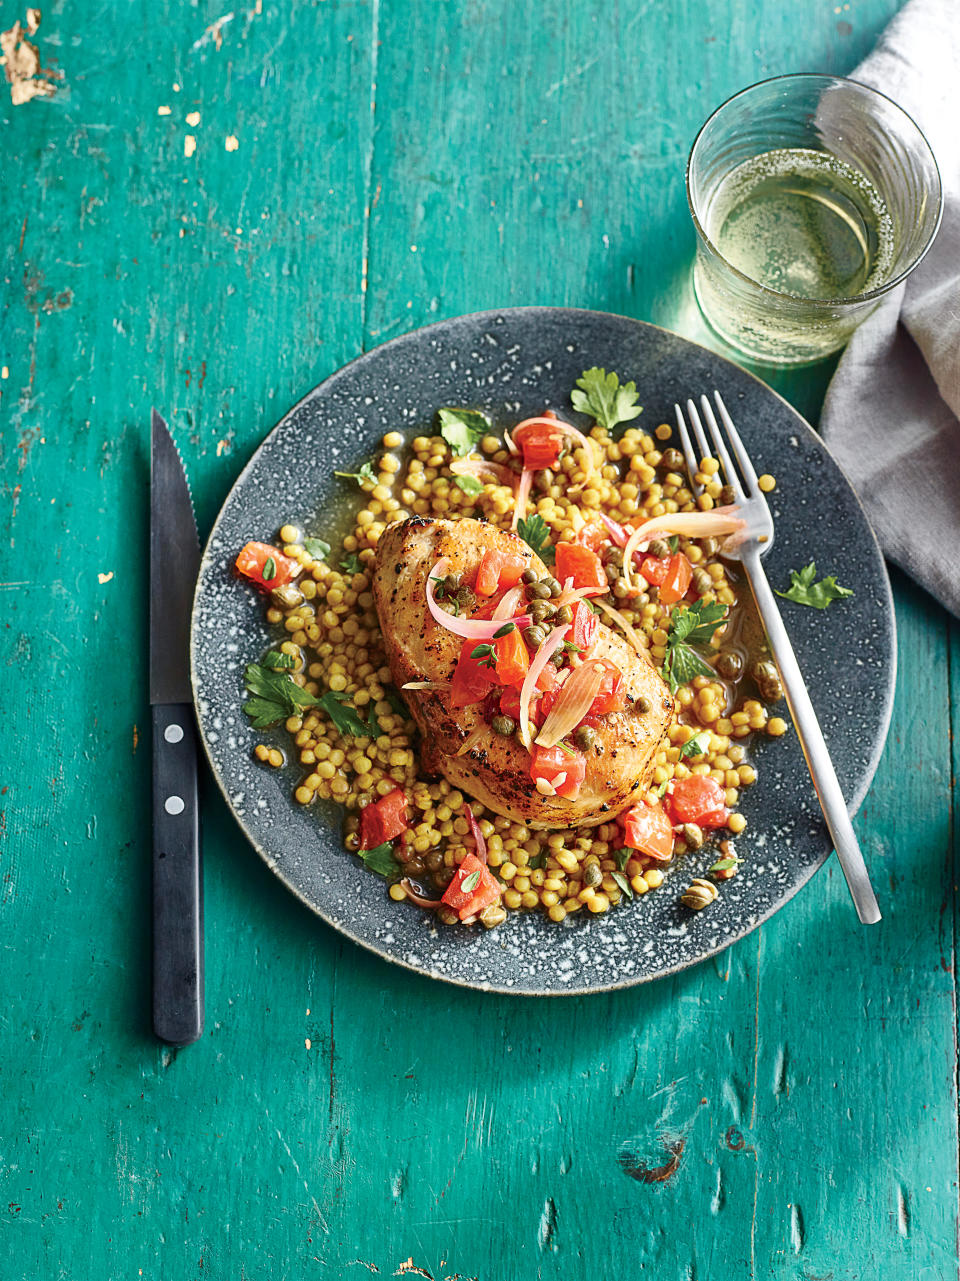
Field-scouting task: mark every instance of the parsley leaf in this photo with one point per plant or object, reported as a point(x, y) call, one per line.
point(469, 484)
point(673, 542)
point(316, 548)
point(662, 789)
point(624, 884)
point(623, 857)
point(274, 695)
point(351, 564)
point(693, 625)
point(602, 397)
point(534, 531)
point(697, 745)
point(396, 702)
point(345, 719)
point(724, 864)
point(366, 472)
point(462, 429)
point(804, 591)
point(381, 860)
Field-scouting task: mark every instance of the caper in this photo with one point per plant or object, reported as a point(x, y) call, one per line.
point(615, 556)
point(550, 612)
point(653, 594)
point(727, 496)
point(642, 704)
point(539, 610)
point(416, 866)
point(465, 598)
point(554, 587)
point(434, 860)
point(289, 596)
point(564, 614)
point(528, 576)
point(709, 546)
point(452, 582)
point(658, 548)
point(535, 636)
point(542, 480)
point(672, 459)
point(584, 738)
point(702, 582)
point(559, 657)
point(768, 682)
point(592, 874)
point(693, 835)
point(612, 573)
point(729, 664)
point(504, 725)
point(644, 598)
point(540, 591)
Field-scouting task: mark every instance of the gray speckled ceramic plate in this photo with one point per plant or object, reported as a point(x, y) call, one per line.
point(512, 363)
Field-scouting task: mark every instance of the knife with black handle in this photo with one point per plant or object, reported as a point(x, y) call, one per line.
point(177, 864)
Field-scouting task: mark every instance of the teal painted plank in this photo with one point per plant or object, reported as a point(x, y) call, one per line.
point(341, 1117)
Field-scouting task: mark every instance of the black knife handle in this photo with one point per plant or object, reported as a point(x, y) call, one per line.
point(177, 878)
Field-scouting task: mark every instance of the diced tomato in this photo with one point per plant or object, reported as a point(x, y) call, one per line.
point(593, 535)
point(654, 569)
point(498, 571)
point(471, 680)
point(676, 580)
point(485, 892)
point(384, 820)
point(513, 658)
point(555, 763)
point(581, 564)
point(612, 696)
point(541, 445)
point(547, 680)
point(583, 629)
point(699, 799)
point(254, 558)
point(648, 829)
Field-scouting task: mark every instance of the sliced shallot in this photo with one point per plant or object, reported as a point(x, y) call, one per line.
point(712, 524)
point(416, 897)
point(523, 493)
point(477, 835)
point(628, 630)
point(483, 469)
point(573, 702)
point(479, 629)
point(538, 663)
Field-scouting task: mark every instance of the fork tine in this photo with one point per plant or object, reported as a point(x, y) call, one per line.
point(736, 444)
point(720, 449)
point(698, 431)
point(692, 465)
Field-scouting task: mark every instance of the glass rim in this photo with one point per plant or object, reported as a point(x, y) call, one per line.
point(871, 294)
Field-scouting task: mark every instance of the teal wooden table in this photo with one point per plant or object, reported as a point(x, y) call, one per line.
point(214, 211)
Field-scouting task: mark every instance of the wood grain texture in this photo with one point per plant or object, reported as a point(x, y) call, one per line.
point(340, 1117)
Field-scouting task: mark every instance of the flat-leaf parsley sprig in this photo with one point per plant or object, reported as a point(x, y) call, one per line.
point(804, 591)
point(692, 626)
point(600, 395)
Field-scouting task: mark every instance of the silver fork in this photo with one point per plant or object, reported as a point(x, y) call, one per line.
point(757, 539)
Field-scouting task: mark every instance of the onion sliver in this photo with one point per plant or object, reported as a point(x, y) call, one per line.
point(540, 659)
point(477, 835)
point(616, 531)
point(479, 629)
point(482, 469)
point(523, 493)
point(574, 701)
point(628, 630)
point(509, 603)
point(471, 740)
point(712, 524)
point(414, 685)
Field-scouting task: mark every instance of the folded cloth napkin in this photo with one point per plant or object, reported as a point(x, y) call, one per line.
point(892, 411)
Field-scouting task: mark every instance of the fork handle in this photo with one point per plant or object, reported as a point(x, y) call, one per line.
point(814, 748)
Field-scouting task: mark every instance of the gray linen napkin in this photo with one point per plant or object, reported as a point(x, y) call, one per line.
point(892, 411)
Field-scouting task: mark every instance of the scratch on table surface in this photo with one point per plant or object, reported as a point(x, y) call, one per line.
point(408, 1266)
point(213, 34)
point(632, 1165)
point(296, 1165)
point(21, 63)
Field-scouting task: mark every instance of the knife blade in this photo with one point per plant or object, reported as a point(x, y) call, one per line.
point(177, 866)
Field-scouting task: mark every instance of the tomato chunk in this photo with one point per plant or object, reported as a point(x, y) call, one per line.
point(383, 820)
point(612, 695)
point(583, 629)
point(498, 571)
point(513, 658)
point(254, 562)
point(676, 580)
point(648, 829)
point(471, 680)
point(699, 799)
point(485, 889)
point(581, 564)
point(564, 769)
point(654, 570)
point(593, 535)
point(540, 444)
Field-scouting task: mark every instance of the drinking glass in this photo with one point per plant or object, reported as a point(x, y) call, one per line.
point(812, 197)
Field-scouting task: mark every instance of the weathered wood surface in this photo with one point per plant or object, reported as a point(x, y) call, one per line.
point(396, 163)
